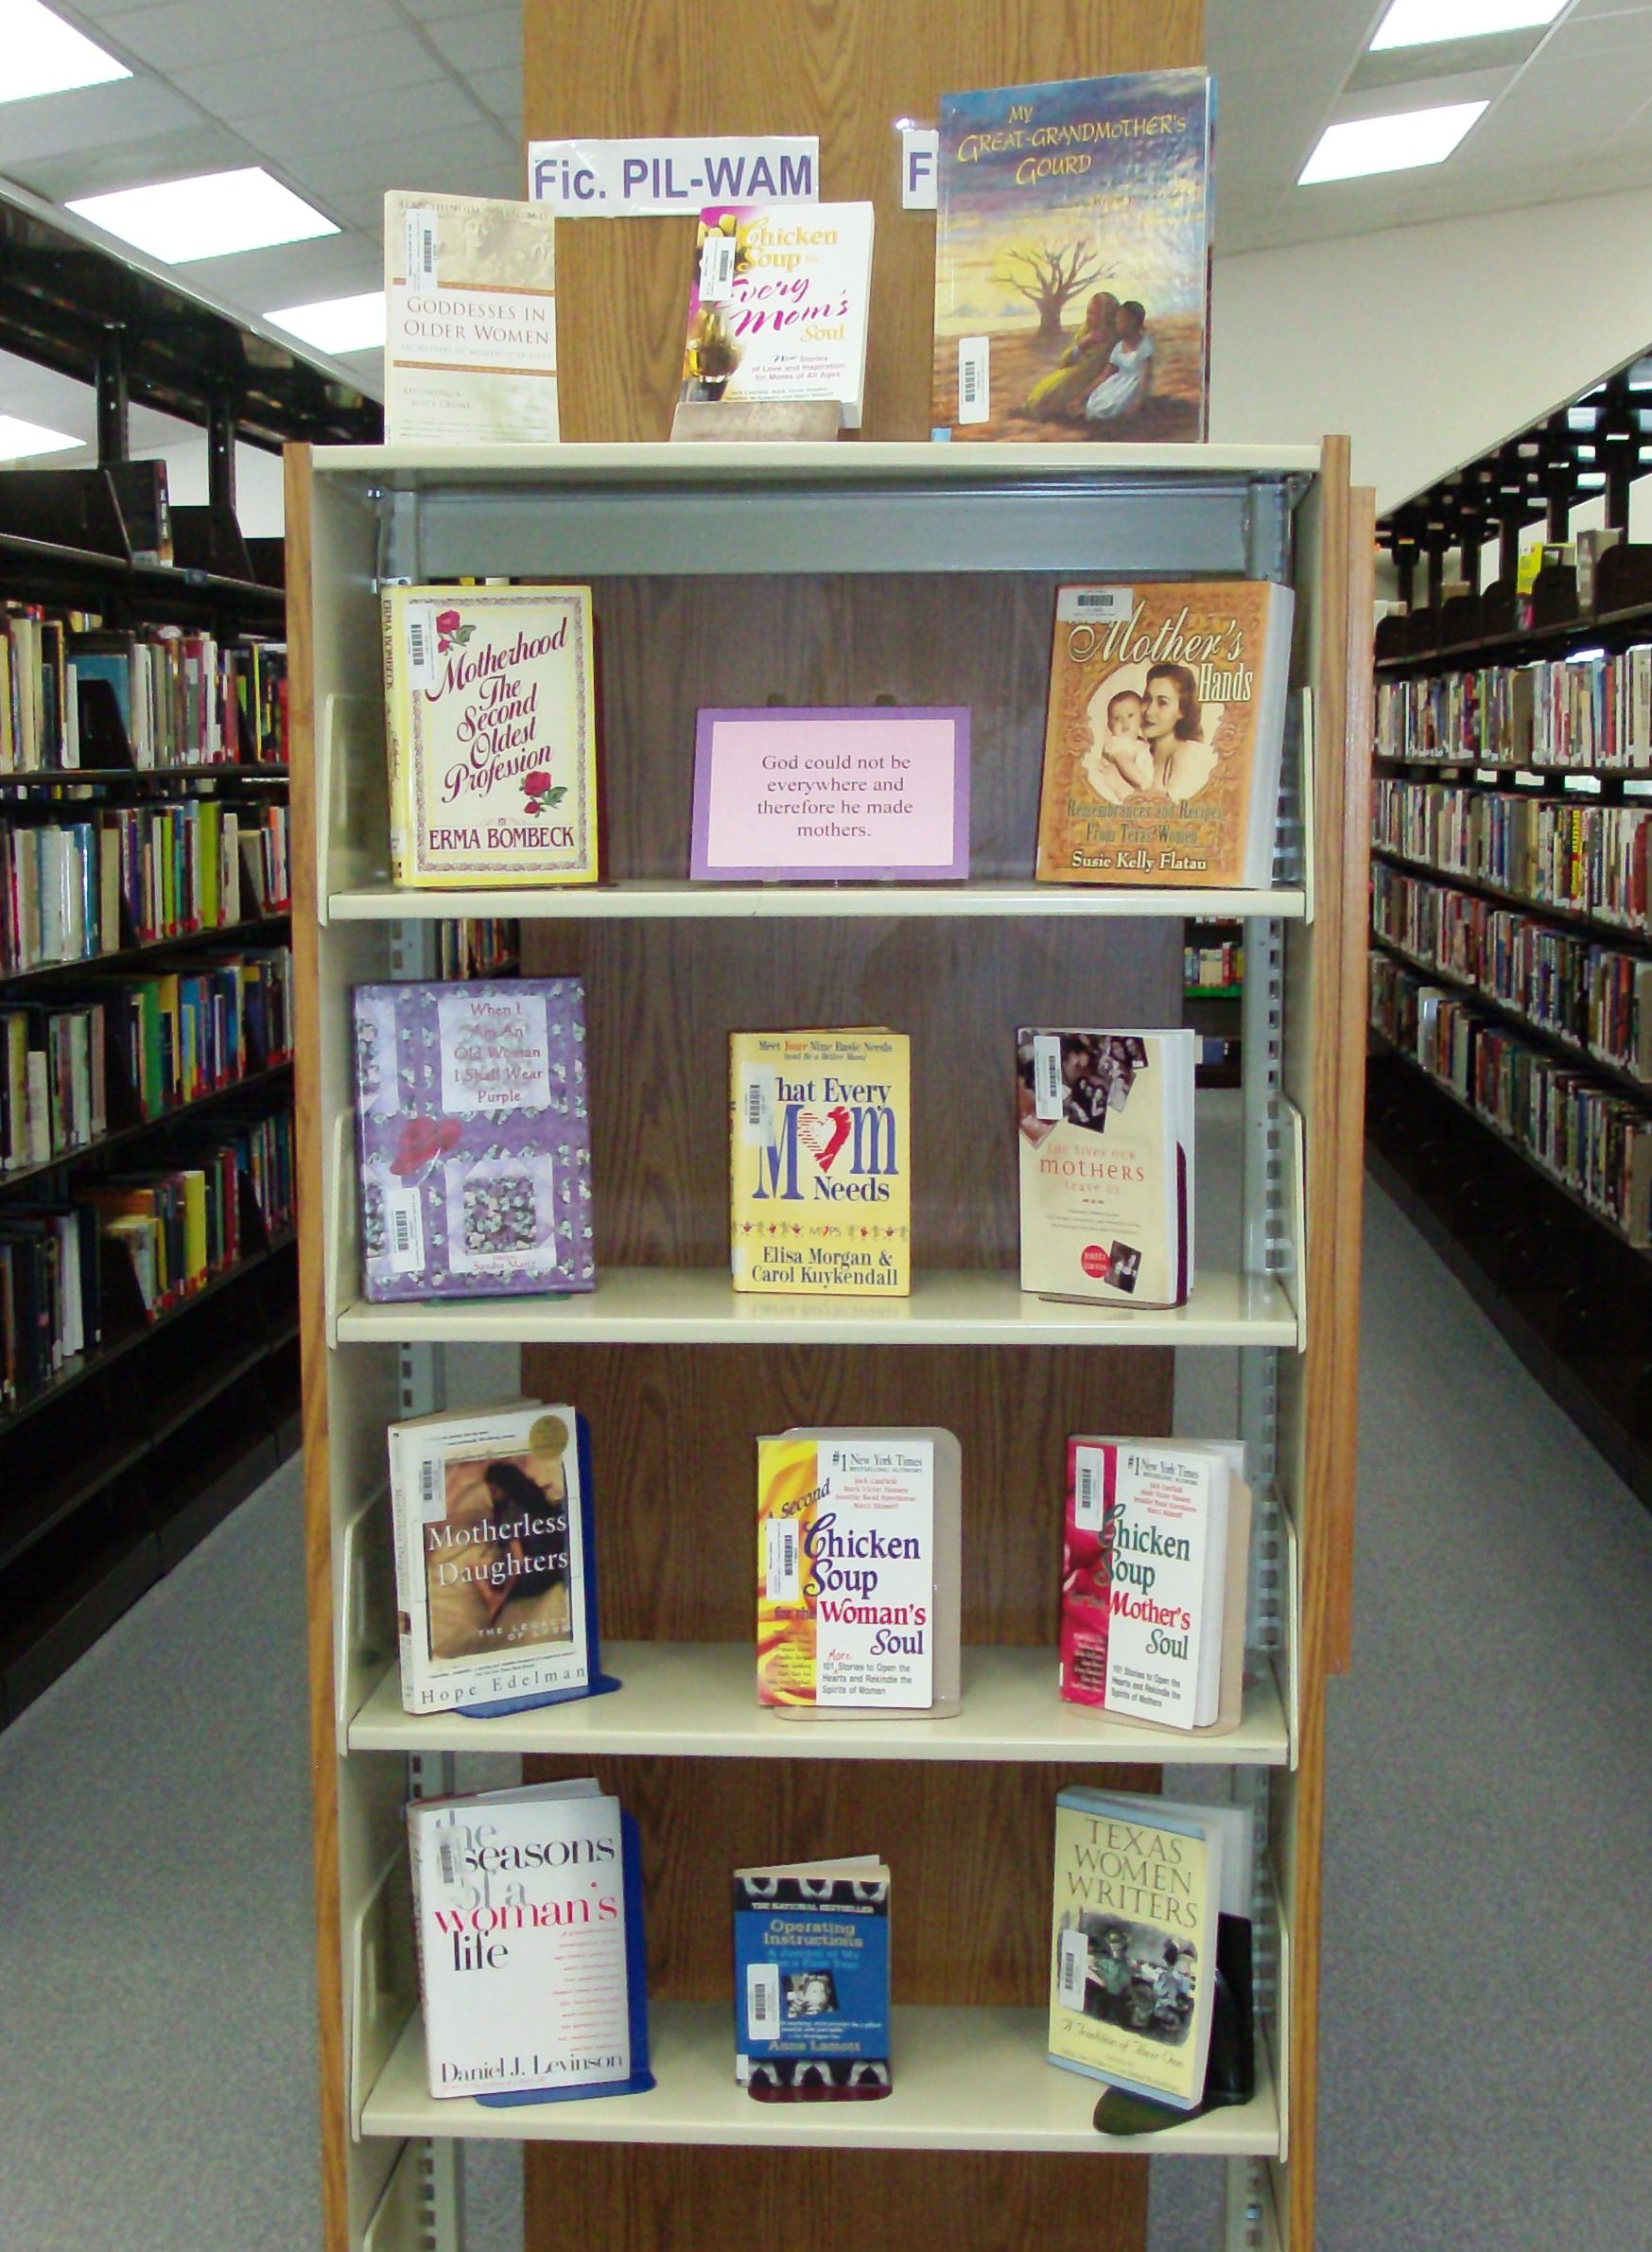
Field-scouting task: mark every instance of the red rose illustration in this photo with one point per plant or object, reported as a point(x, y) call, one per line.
point(446, 621)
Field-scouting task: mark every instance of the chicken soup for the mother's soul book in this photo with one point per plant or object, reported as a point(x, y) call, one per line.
point(476, 1168)
point(490, 705)
point(1105, 1120)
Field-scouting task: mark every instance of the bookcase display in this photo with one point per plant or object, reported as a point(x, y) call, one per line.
point(724, 575)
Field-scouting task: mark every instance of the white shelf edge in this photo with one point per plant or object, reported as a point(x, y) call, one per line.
point(694, 1701)
point(697, 1306)
point(965, 2079)
point(719, 461)
point(663, 898)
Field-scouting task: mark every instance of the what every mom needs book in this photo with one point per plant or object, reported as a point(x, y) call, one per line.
point(475, 1153)
point(1106, 1132)
point(779, 304)
point(1155, 1541)
point(470, 304)
point(1140, 1885)
point(811, 1981)
point(528, 1905)
point(491, 735)
point(496, 1573)
point(858, 1577)
point(821, 1126)
point(1164, 733)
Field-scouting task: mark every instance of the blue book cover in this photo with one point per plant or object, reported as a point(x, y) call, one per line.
point(812, 1979)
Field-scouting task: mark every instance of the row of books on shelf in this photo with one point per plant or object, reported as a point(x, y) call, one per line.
point(474, 1141)
point(165, 1039)
point(1593, 710)
point(478, 946)
point(1587, 1134)
point(1212, 967)
point(117, 876)
point(75, 694)
point(1587, 859)
point(1593, 996)
point(162, 1235)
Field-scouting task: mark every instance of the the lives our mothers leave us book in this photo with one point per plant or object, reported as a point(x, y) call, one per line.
point(528, 1905)
point(474, 1151)
point(470, 301)
point(496, 1569)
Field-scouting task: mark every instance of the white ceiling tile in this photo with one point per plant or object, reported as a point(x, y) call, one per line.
point(203, 146)
point(290, 274)
point(364, 207)
point(502, 92)
point(408, 112)
point(124, 111)
point(383, 165)
point(1582, 35)
point(479, 42)
point(308, 76)
point(185, 34)
point(430, 11)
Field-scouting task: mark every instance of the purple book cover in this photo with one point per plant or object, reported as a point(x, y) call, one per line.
point(476, 1166)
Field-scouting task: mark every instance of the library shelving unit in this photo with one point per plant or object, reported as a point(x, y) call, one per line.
point(829, 574)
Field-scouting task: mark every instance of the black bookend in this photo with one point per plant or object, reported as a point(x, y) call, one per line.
point(103, 740)
point(1230, 2070)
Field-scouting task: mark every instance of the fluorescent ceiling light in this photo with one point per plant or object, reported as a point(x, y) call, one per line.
point(19, 440)
point(44, 55)
point(1426, 22)
point(1388, 144)
point(211, 217)
point(344, 324)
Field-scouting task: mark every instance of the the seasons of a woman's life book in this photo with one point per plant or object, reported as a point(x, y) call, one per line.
point(859, 1574)
point(496, 1568)
point(1072, 260)
point(778, 305)
point(1155, 1546)
point(811, 1981)
point(470, 301)
point(491, 735)
point(1104, 1124)
point(820, 1164)
point(528, 1905)
point(1163, 733)
point(1139, 1883)
point(474, 1150)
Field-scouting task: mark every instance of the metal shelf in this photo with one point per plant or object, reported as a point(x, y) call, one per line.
point(660, 898)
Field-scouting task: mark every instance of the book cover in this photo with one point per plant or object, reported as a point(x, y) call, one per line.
point(491, 735)
point(778, 305)
point(527, 1905)
point(1164, 732)
point(1144, 1578)
point(474, 1142)
point(1072, 260)
point(1104, 1126)
point(495, 1573)
point(857, 1572)
point(820, 1136)
point(812, 1979)
point(470, 299)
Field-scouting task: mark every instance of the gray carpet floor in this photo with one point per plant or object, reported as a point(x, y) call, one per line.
point(1485, 2059)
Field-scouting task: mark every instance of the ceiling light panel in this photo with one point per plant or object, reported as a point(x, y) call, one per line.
point(215, 216)
point(19, 441)
point(1398, 144)
point(336, 324)
point(1426, 22)
point(41, 54)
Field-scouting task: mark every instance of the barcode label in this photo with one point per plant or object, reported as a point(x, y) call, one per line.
point(758, 1106)
point(403, 1229)
point(1486, 773)
point(1047, 1087)
point(433, 1490)
point(447, 1862)
point(974, 389)
point(421, 644)
point(762, 2001)
point(1528, 782)
point(717, 255)
point(1089, 1488)
point(1094, 605)
point(419, 246)
point(1075, 1955)
point(780, 1564)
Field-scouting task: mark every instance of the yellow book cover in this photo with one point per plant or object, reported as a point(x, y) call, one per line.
point(820, 1140)
point(491, 722)
point(194, 1228)
point(1133, 1943)
point(1163, 733)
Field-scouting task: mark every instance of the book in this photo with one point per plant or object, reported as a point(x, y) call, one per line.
point(495, 1573)
point(1140, 1885)
point(859, 1574)
point(812, 1979)
point(473, 1138)
point(470, 301)
point(528, 1907)
point(1164, 733)
point(1155, 1540)
point(491, 735)
point(1105, 1137)
point(778, 305)
point(821, 1188)
point(1072, 259)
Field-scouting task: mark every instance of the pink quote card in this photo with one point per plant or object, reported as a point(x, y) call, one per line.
point(819, 796)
